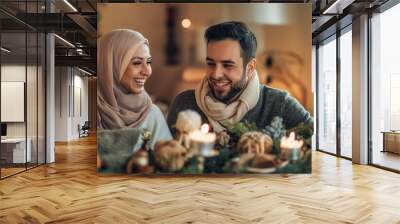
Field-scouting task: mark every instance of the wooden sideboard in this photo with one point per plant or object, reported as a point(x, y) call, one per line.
point(391, 141)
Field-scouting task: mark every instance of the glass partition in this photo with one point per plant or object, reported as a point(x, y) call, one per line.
point(23, 90)
point(15, 151)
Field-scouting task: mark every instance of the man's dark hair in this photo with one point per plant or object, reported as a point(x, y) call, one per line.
point(236, 31)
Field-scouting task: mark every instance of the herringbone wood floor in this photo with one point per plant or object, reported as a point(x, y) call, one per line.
point(70, 191)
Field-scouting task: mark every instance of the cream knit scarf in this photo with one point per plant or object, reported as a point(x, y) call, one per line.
point(220, 114)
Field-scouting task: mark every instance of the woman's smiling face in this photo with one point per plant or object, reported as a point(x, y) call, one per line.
point(138, 70)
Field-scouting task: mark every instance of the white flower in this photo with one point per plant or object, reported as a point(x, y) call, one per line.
point(187, 121)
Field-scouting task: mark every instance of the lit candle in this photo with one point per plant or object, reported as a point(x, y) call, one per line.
point(203, 141)
point(203, 135)
point(292, 145)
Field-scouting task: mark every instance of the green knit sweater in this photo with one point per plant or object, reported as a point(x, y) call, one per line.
point(272, 103)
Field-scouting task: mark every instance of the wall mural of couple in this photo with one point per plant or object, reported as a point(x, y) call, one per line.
point(229, 123)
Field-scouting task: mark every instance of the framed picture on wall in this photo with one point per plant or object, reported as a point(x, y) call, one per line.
point(235, 84)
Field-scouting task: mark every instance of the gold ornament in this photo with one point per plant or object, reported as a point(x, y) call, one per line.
point(139, 161)
point(147, 136)
point(255, 142)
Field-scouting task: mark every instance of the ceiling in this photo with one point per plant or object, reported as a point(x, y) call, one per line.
point(76, 22)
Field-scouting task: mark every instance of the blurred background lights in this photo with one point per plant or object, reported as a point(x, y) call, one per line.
point(186, 23)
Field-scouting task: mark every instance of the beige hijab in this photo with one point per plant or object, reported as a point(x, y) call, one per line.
point(219, 113)
point(116, 107)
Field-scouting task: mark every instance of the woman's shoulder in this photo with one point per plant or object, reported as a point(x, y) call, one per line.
point(155, 111)
point(156, 122)
point(154, 117)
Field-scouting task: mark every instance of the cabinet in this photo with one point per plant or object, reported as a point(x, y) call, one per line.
point(391, 142)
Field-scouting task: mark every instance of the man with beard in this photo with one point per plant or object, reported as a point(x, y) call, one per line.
point(231, 92)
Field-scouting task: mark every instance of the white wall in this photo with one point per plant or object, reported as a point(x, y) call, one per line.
point(61, 103)
point(69, 85)
point(80, 103)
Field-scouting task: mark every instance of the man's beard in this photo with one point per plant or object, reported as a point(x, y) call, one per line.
point(233, 92)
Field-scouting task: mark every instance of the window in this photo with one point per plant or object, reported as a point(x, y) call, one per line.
point(346, 94)
point(385, 88)
point(327, 96)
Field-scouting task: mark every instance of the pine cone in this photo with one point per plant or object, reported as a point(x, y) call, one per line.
point(244, 159)
point(264, 161)
point(169, 155)
point(255, 142)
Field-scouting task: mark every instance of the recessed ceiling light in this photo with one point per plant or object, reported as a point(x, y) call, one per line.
point(84, 71)
point(5, 50)
point(337, 7)
point(65, 41)
point(70, 5)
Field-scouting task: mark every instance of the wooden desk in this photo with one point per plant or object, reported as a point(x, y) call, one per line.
point(13, 150)
point(391, 141)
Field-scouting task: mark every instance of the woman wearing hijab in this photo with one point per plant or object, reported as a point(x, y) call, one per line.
point(123, 105)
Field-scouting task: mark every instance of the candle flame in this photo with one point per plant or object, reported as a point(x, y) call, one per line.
point(292, 136)
point(291, 142)
point(205, 128)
